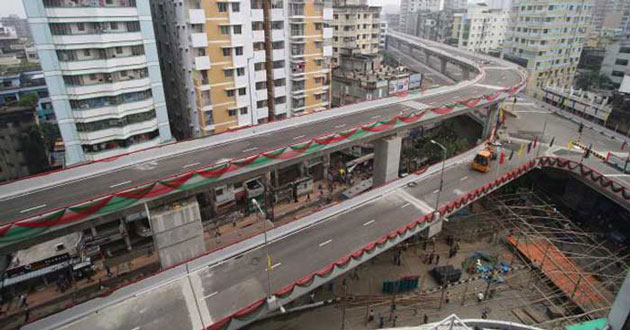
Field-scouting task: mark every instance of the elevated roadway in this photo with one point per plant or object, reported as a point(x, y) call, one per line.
point(61, 201)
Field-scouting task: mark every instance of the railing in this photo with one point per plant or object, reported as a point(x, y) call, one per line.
point(88, 3)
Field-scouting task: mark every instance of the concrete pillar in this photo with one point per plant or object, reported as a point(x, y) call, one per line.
point(125, 234)
point(620, 313)
point(443, 62)
point(326, 160)
point(427, 57)
point(177, 232)
point(386, 159)
point(276, 178)
point(465, 74)
point(493, 112)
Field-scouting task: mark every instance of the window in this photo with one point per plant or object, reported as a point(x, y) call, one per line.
point(259, 66)
point(119, 50)
point(318, 96)
point(229, 92)
point(240, 72)
point(86, 52)
point(278, 64)
point(261, 104)
point(224, 29)
point(227, 51)
point(617, 74)
point(236, 7)
point(279, 82)
point(277, 25)
point(237, 29)
point(238, 51)
point(624, 50)
point(620, 61)
point(259, 46)
point(228, 73)
point(113, 25)
point(243, 111)
point(222, 6)
point(280, 100)
point(232, 112)
point(80, 26)
point(261, 85)
point(242, 91)
point(318, 26)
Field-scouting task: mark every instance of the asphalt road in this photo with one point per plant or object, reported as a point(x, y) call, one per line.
point(205, 296)
point(43, 200)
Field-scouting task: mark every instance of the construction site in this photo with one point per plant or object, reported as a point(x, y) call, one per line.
point(524, 254)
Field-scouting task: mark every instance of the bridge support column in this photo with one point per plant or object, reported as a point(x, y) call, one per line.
point(491, 120)
point(427, 58)
point(386, 159)
point(177, 232)
point(443, 62)
point(465, 74)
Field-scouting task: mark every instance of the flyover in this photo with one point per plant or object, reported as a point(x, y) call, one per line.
point(227, 288)
point(54, 204)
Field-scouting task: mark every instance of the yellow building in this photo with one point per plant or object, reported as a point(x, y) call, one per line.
point(231, 64)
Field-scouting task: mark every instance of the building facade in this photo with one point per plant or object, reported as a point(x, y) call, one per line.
point(356, 30)
point(546, 37)
point(16, 83)
point(609, 17)
point(411, 6)
point(481, 29)
point(616, 62)
point(433, 25)
point(240, 63)
point(588, 105)
point(101, 66)
point(383, 35)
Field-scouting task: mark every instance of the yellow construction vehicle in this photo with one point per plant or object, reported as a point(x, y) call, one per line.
point(482, 161)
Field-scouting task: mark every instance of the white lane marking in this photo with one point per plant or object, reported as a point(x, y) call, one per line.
point(324, 243)
point(191, 165)
point(369, 222)
point(250, 149)
point(340, 126)
point(136, 328)
point(615, 175)
point(210, 295)
point(274, 266)
point(120, 184)
point(436, 191)
point(458, 192)
point(377, 116)
point(298, 137)
point(464, 178)
point(33, 208)
point(405, 205)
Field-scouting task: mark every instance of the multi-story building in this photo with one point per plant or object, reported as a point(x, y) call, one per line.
point(100, 64)
point(433, 25)
point(616, 62)
point(239, 63)
point(18, 23)
point(546, 37)
point(481, 29)
point(356, 29)
point(609, 17)
point(15, 83)
point(411, 6)
point(586, 104)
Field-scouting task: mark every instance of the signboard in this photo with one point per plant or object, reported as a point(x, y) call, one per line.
point(403, 85)
point(415, 80)
point(392, 86)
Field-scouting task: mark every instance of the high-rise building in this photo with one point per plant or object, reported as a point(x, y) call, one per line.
point(433, 25)
point(481, 29)
point(411, 6)
point(101, 68)
point(616, 62)
point(356, 29)
point(230, 64)
point(609, 17)
point(18, 23)
point(546, 37)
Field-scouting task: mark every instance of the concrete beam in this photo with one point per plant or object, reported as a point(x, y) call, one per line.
point(443, 62)
point(493, 112)
point(386, 159)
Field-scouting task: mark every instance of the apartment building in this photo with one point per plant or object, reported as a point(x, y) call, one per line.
point(616, 61)
point(356, 29)
point(239, 63)
point(481, 29)
point(383, 35)
point(100, 64)
point(411, 6)
point(609, 17)
point(433, 25)
point(547, 37)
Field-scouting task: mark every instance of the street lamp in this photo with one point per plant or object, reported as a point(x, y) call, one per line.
point(437, 200)
point(269, 292)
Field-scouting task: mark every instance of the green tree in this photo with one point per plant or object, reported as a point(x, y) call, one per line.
point(34, 150)
point(28, 100)
point(589, 80)
point(50, 134)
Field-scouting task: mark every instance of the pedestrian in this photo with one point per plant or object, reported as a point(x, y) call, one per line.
point(308, 197)
point(381, 321)
point(394, 321)
point(23, 302)
point(484, 314)
point(391, 315)
point(27, 315)
point(448, 297)
point(425, 319)
point(431, 256)
point(437, 259)
point(371, 316)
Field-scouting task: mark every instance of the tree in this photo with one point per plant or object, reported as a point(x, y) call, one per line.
point(50, 134)
point(34, 151)
point(592, 79)
point(28, 100)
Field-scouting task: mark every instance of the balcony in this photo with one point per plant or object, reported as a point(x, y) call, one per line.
point(280, 91)
point(260, 75)
point(103, 63)
point(107, 89)
point(114, 110)
point(328, 14)
point(328, 33)
point(262, 112)
point(118, 133)
point(202, 63)
point(280, 109)
point(197, 16)
point(76, 12)
point(257, 15)
point(277, 35)
point(277, 54)
point(83, 39)
point(261, 94)
point(258, 36)
point(327, 51)
point(199, 40)
point(277, 14)
point(259, 56)
point(279, 73)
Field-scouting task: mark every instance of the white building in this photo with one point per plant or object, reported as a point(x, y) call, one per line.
point(411, 6)
point(482, 29)
point(101, 66)
point(356, 30)
point(616, 63)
